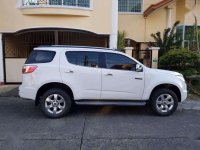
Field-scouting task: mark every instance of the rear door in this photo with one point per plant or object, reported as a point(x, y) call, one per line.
point(81, 71)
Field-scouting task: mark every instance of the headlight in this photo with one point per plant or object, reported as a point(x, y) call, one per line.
point(181, 77)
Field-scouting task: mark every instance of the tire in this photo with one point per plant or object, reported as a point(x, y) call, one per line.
point(55, 103)
point(164, 102)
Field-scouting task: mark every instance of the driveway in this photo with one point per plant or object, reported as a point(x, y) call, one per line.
point(23, 126)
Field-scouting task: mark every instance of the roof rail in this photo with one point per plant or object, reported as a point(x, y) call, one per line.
point(76, 46)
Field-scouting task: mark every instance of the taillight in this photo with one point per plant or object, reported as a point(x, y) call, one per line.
point(28, 69)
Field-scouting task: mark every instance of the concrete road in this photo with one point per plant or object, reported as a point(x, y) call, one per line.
point(23, 127)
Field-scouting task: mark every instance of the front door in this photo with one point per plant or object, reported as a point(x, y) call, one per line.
point(119, 78)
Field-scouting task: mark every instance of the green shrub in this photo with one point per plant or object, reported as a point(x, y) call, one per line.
point(188, 72)
point(181, 60)
point(121, 40)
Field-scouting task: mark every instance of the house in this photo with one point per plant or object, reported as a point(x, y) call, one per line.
point(156, 15)
point(25, 24)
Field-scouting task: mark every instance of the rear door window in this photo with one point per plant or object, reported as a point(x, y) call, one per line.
point(40, 56)
point(80, 58)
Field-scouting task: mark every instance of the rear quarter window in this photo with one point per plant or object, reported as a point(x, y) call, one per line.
point(40, 56)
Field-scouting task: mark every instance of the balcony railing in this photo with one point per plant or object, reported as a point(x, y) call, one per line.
point(71, 3)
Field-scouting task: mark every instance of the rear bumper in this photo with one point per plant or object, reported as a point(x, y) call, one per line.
point(27, 92)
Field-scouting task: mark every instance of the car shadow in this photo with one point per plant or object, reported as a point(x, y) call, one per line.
point(111, 110)
point(26, 109)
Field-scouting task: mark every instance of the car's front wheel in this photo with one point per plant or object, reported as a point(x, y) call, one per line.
point(55, 103)
point(164, 102)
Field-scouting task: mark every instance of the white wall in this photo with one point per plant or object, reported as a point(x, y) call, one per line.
point(1, 60)
point(14, 69)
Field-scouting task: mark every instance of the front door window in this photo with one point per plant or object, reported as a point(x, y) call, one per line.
point(119, 62)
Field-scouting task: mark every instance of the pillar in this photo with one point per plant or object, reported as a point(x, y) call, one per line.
point(1, 61)
point(169, 17)
point(154, 57)
point(129, 51)
point(113, 35)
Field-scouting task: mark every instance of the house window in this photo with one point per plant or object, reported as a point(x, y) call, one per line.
point(134, 6)
point(84, 3)
point(188, 36)
point(55, 2)
point(79, 3)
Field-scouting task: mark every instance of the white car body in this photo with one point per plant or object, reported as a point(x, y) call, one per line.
point(88, 83)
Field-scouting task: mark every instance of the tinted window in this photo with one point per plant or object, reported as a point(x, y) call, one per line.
point(39, 56)
point(119, 62)
point(88, 59)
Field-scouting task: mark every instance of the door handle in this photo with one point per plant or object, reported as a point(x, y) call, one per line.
point(109, 74)
point(138, 78)
point(69, 71)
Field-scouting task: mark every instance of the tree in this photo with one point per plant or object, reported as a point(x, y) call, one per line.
point(168, 40)
point(121, 40)
point(196, 27)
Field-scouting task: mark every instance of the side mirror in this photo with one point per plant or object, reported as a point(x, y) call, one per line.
point(139, 68)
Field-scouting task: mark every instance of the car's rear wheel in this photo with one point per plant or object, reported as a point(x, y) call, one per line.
point(55, 103)
point(164, 102)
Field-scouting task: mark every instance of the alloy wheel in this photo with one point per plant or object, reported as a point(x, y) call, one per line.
point(165, 103)
point(55, 104)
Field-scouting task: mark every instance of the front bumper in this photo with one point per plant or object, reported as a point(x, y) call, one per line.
point(184, 95)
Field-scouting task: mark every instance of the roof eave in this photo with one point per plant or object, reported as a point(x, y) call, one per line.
point(154, 7)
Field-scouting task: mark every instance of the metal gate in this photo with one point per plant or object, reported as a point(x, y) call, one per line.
point(144, 56)
point(17, 46)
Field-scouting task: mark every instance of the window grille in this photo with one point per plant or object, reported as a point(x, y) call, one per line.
point(130, 6)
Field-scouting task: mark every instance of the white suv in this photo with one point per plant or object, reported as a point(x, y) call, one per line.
point(58, 76)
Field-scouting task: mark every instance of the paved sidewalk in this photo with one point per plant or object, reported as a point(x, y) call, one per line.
point(190, 104)
point(9, 91)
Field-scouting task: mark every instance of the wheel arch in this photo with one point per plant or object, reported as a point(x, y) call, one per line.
point(51, 85)
point(172, 87)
